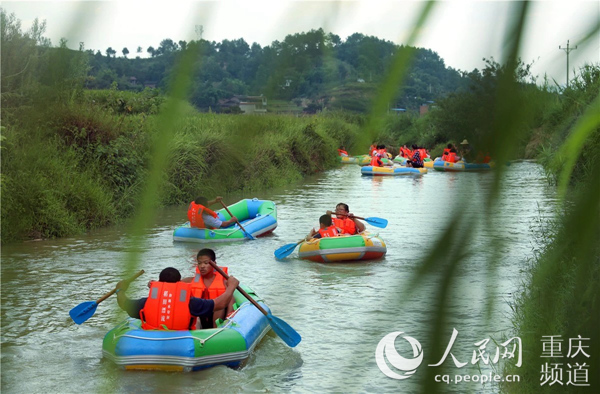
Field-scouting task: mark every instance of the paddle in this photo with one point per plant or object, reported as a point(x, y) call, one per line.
point(281, 328)
point(377, 222)
point(286, 250)
point(237, 221)
point(85, 310)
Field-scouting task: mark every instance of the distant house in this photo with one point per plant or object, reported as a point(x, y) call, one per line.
point(398, 110)
point(252, 104)
point(360, 80)
point(424, 108)
point(150, 84)
point(133, 80)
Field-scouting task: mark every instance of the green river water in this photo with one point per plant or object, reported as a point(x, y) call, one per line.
point(342, 311)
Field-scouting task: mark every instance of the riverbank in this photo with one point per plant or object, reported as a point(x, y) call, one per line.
point(74, 167)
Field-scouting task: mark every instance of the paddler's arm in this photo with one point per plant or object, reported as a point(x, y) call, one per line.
point(213, 202)
point(360, 226)
point(222, 301)
point(132, 307)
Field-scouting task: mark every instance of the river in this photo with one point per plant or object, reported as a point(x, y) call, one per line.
point(342, 311)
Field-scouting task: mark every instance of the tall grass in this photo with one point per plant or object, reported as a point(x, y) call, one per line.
point(106, 153)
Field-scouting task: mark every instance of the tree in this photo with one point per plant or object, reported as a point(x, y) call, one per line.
point(139, 50)
point(151, 51)
point(125, 52)
point(110, 51)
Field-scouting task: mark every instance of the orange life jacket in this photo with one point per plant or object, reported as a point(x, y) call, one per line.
point(376, 162)
point(406, 152)
point(216, 288)
point(330, 231)
point(423, 153)
point(483, 159)
point(342, 152)
point(371, 149)
point(451, 157)
point(195, 214)
point(167, 307)
point(346, 225)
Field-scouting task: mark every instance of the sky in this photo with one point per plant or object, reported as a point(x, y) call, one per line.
point(461, 32)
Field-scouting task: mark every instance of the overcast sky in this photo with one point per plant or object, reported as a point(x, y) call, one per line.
point(461, 32)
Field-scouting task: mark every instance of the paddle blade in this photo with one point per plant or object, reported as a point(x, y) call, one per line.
point(284, 331)
point(83, 311)
point(377, 222)
point(285, 251)
point(248, 235)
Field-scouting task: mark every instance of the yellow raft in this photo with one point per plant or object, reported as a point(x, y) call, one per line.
point(359, 247)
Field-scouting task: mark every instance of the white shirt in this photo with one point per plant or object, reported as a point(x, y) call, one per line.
point(211, 222)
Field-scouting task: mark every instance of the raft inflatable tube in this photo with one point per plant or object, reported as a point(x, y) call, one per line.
point(387, 171)
point(427, 163)
point(258, 217)
point(343, 248)
point(367, 161)
point(352, 159)
point(130, 347)
point(440, 165)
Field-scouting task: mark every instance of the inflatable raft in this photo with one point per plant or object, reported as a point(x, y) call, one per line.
point(366, 161)
point(130, 347)
point(376, 171)
point(258, 217)
point(427, 162)
point(360, 247)
point(352, 159)
point(440, 165)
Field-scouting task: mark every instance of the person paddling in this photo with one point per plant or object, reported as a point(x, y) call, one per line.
point(202, 217)
point(326, 228)
point(208, 284)
point(182, 308)
point(346, 221)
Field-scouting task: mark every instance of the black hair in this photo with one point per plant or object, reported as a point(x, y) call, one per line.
point(449, 146)
point(343, 205)
point(169, 275)
point(414, 147)
point(201, 200)
point(207, 252)
point(326, 220)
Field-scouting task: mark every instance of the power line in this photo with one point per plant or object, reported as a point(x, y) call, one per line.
point(567, 51)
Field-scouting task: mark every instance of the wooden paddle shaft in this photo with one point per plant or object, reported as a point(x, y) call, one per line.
point(105, 296)
point(345, 214)
point(220, 271)
point(237, 221)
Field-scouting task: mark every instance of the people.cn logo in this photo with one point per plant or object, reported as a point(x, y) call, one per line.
point(386, 349)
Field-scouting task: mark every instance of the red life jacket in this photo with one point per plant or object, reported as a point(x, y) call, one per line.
point(423, 153)
point(330, 231)
point(371, 149)
point(342, 152)
point(216, 288)
point(376, 162)
point(346, 225)
point(195, 214)
point(451, 157)
point(407, 152)
point(167, 307)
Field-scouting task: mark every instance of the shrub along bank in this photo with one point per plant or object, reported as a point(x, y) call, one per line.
point(69, 168)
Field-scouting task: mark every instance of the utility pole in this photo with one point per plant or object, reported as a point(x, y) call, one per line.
point(567, 51)
point(199, 30)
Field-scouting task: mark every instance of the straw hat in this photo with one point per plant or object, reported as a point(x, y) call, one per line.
point(465, 142)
